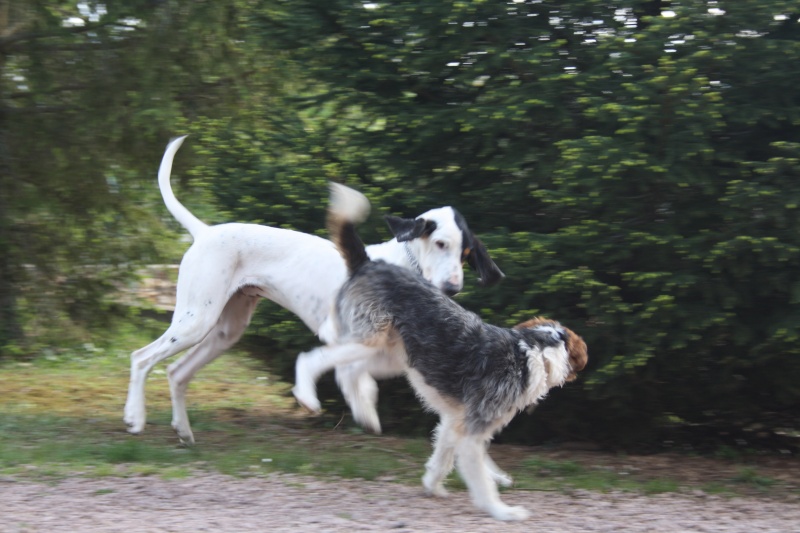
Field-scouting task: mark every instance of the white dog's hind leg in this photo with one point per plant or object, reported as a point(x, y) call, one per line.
point(440, 463)
point(187, 329)
point(311, 365)
point(174, 340)
point(471, 459)
point(232, 324)
point(135, 415)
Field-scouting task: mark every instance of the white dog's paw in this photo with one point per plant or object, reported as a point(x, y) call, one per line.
point(184, 431)
point(509, 513)
point(135, 419)
point(136, 427)
point(307, 398)
point(128, 415)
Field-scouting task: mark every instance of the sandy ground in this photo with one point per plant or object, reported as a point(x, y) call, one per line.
point(212, 502)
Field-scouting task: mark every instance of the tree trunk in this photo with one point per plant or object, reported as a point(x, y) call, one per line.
point(10, 330)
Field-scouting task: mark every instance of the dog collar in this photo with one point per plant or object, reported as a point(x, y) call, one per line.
point(412, 259)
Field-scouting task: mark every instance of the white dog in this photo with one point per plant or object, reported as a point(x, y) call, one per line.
point(230, 266)
point(474, 375)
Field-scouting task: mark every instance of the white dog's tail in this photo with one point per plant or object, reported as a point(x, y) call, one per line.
point(347, 208)
point(192, 224)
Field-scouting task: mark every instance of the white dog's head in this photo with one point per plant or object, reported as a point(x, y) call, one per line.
point(440, 242)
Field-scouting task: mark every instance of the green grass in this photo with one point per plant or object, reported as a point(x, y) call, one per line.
point(547, 474)
point(750, 476)
point(55, 446)
point(61, 415)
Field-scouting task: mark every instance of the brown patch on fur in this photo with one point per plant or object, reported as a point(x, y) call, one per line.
point(576, 346)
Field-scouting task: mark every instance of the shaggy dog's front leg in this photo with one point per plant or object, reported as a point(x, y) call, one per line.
point(471, 458)
point(441, 462)
point(497, 474)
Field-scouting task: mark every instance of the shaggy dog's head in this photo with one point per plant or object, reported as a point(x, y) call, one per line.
point(575, 345)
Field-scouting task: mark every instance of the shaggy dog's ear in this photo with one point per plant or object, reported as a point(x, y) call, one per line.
point(478, 258)
point(406, 229)
point(578, 354)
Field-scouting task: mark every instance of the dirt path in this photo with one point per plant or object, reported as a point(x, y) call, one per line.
point(212, 502)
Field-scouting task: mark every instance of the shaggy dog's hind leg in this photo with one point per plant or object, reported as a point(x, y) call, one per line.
point(311, 365)
point(360, 391)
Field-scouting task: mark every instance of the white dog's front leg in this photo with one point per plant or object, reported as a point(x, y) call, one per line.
point(311, 365)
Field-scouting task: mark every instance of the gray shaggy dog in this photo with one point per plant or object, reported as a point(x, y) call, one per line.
point(474, 375)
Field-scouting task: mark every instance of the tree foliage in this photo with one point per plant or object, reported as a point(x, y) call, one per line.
point(89, 94)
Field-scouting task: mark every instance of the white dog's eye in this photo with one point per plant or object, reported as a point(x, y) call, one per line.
point(441, 245)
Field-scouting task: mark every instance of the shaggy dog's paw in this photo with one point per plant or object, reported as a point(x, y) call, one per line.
point(362, 400)
point(367, 418)
point(434, 488)
point(509, 513)
point(307, 399)
point(502, 479)
point(305, 390)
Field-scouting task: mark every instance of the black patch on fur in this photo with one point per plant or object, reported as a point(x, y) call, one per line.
point(477, 256)
point(350, 246)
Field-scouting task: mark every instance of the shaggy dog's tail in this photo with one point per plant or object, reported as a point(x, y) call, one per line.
point(347, 208)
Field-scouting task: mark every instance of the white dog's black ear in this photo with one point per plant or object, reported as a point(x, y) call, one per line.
point(478, 258)
point(475, 254)
point(406, 229)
